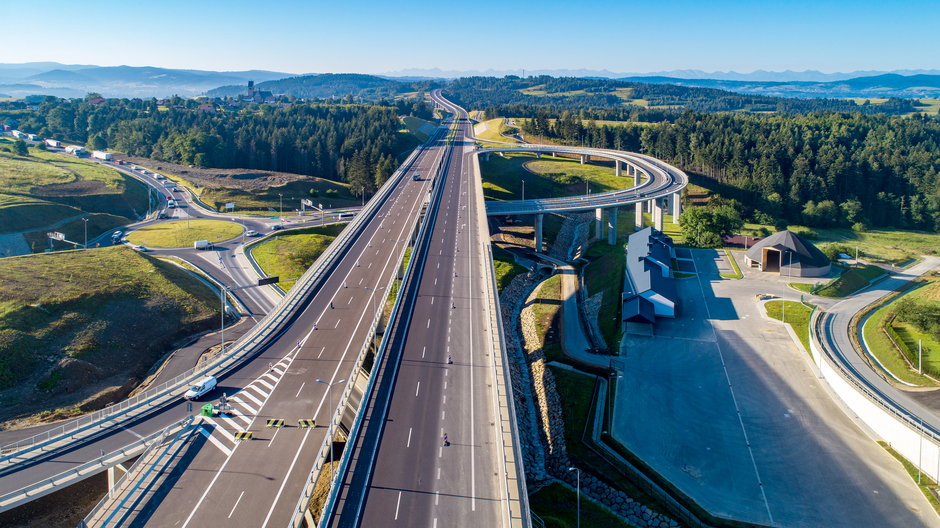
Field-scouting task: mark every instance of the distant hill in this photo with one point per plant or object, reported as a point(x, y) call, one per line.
point(20, 80)
point(326, 85)
point(876, 86)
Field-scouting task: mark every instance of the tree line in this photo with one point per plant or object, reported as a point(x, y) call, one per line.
point(355, 143)
point(577, 94)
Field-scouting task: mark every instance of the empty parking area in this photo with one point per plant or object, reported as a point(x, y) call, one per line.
point(723, 403)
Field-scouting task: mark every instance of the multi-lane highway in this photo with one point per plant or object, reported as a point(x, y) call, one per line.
point(430, 453)
point(256, 483)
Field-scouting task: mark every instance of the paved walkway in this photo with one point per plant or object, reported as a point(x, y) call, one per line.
point(574, 342)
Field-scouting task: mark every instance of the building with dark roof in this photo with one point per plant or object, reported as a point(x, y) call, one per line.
point(789, 254)
point(649, 291)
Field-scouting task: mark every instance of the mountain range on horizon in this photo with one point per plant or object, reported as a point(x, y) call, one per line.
point(74, 80)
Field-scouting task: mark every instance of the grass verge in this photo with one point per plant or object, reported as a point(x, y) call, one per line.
point(737, 271)
point(545, 177)
point(505, 266)
point(797, 316)
point(556, 504)
point(927, 486)
point(289, 255)
point(184, 232)
point(851, 281)
point(605, 274)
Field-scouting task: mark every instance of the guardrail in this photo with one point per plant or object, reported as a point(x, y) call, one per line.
point(673, 180)
point(92, 424)
point(156, 440)
point(380, 352)
point(822, 319)
point(46, 486)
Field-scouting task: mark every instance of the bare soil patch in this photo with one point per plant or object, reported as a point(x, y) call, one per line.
point(244, 179)
point(75, 188)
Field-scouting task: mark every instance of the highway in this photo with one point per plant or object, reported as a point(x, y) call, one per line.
point(437, 380)
point(399, 209)
point(256, 483)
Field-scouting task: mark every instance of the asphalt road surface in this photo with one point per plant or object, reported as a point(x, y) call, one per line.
point(257, 483)
point(416, 479)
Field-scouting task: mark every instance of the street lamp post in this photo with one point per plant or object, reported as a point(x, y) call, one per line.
point(329, 390)
point(523, 189)
point(86, 231)
point(281, 199)
point(579, 493)
point(783, 303)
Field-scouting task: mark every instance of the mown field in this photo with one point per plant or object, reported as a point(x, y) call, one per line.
point(289, 255)
point(73, 323)
point(184, 233)
point(43, 189)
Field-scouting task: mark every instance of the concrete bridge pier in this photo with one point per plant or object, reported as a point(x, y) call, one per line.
point(538, 233)
point(638, 221)
point(657, 214)
point(538, 154)
point(583, 159)
point(618, 169)
point(676, 206)
point(612, 226)
point(486, 156)
point(598, 224)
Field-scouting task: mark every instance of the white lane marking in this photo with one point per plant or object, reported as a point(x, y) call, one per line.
point(440, 451)
point(269, 375)
point(300, 389)
point(132, 432)
point(276, 430)
point(248, 395)
point(417, 389)
point(236, 504)
point(349, 301)
point(429, 322)
point(397, 504)
point(228, 421)
point(409, 438)
point(250, 409)
point(432, 300)
point(438, 472)
point(445, 386)
point(321, 352)
point(444, 399)
point(437, 497)
point(337, 324)
point(215, 441)
point(268, 385)
point(423, 349)
point(442, 414)
point(435, 523)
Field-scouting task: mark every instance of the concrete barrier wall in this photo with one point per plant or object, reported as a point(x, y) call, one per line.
point(907, 439)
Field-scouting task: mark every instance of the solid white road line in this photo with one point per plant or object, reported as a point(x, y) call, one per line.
point(397, 504)
point(409, 438)
point(236, 504)
point(300, 389)
point(417, 389)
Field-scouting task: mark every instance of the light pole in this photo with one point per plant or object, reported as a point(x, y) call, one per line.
point(329, 389)
point(281, 199)
point(523, 189)
point(579, 493)
point(783, 303)
point(86, 231)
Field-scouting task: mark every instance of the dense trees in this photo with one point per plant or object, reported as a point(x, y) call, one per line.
point(704, 226)
point(356, 143)
point(821, 169)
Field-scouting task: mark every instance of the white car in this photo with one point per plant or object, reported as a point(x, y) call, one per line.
point(201, 387)
point(138, 247)
point(251, 233)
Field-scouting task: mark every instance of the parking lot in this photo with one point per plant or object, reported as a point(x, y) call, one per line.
point(722, 403)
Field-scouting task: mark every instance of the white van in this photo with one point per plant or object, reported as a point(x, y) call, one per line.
point(201, 387)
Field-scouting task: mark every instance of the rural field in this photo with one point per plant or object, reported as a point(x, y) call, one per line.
point(78, 325)
point(46, 189)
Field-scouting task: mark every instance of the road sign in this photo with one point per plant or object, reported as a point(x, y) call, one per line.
point(269, 280)
point(230, 205)
point(308, 203)
point(55, 235)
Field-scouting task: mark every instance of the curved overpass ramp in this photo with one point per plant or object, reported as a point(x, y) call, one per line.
point(659, 186)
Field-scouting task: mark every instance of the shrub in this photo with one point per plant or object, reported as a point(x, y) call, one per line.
point(858, 227)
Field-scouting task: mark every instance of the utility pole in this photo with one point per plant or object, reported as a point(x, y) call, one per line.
point(281, 199)
point(579, 494)
point(86, 231)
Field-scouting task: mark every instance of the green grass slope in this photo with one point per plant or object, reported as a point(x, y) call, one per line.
point(72, 319)
point(288, 256)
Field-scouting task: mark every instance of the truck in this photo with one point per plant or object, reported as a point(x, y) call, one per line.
point(75, 150)
point(32, 137)
point(202, 244)
point(53, 143)
point(17, 134)
point(102, 155)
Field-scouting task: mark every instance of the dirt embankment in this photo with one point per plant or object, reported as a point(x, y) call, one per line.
point(244, 179)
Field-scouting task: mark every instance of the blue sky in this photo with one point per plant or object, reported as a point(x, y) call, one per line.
point(373, 36)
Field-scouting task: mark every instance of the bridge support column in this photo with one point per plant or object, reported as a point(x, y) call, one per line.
point(553, 155)
point(538, 154)
point(598, 223)
point(638, 221)
point(113, 477)
point(617, 168)
point(583, 159)
point(676, 206)
point(538, 233)
point(486, 156)
point(612, 226)
point(657, 214)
